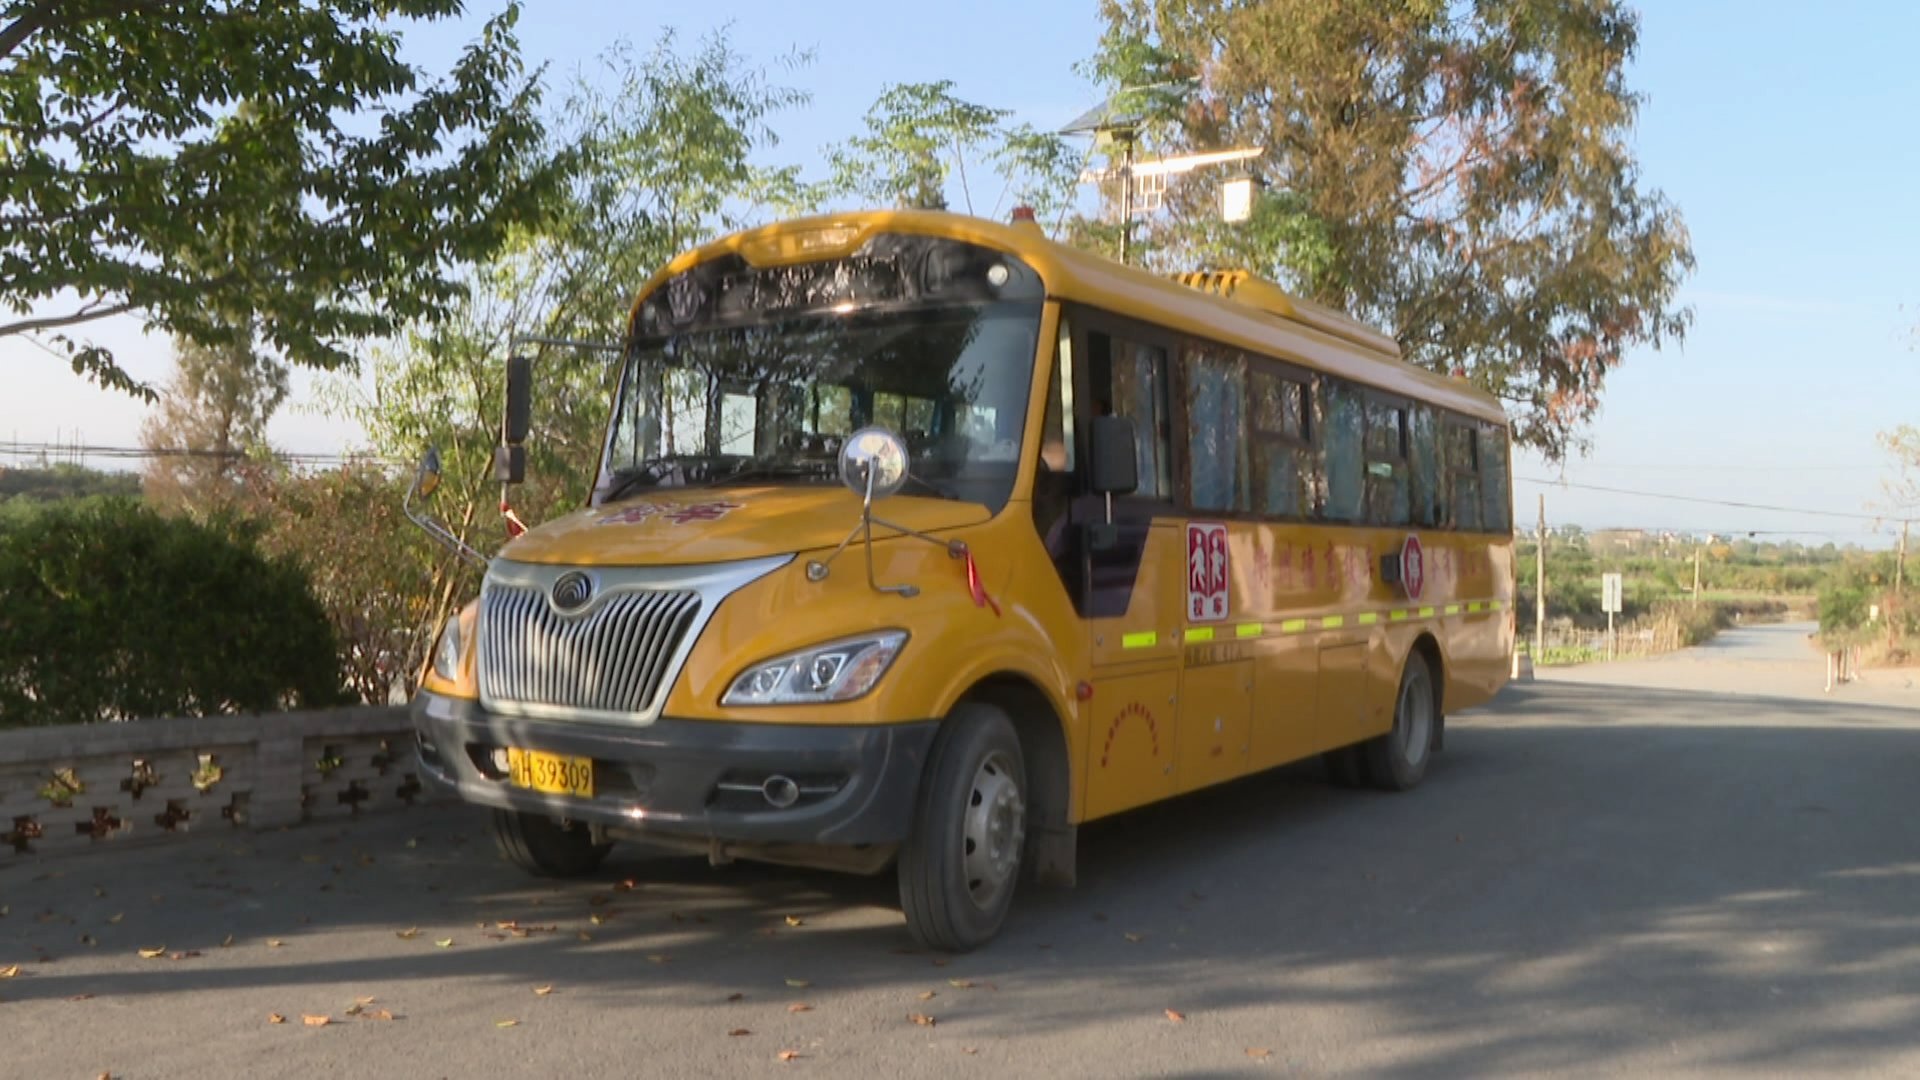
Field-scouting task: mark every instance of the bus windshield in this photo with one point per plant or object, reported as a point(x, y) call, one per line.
point(767, 372)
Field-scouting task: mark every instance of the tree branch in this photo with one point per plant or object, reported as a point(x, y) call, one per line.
point(55, 322)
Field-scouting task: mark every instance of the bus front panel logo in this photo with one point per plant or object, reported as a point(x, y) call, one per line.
point(1206, 571)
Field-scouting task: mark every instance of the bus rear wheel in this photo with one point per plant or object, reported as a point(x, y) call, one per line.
point(544, 847)
point(1398, 760)
point(962, 855)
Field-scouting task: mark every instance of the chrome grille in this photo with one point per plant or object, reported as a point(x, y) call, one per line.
point(617, 657)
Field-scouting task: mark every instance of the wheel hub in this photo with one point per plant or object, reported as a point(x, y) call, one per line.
point(996, 830)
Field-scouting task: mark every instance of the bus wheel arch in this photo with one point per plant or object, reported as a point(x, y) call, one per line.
point(1043, 742)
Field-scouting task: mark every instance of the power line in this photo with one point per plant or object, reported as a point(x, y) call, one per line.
point(70, 451)
point(1707, 502)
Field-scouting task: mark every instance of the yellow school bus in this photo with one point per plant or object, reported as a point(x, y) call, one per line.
point(918, 541)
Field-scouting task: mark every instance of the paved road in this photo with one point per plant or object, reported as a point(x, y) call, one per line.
point(1600, 877)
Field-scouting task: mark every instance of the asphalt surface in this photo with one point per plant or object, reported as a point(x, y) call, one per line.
point(1695, 865)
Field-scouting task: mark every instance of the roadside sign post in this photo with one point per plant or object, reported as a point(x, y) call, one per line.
point(1610, 603)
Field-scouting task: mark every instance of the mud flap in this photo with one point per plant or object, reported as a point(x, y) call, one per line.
point(1052, 852)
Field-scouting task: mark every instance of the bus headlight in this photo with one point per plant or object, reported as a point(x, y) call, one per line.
point(446, 655)
point(836, 671)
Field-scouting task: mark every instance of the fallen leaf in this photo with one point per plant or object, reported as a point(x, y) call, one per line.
point(927, 995)
point(961, 984)
point(789, 1055)
point(413, 842)
point(506, 1023)
point(315, 1021)
point(628, 885)
point(736, 996)
point(81, 997)
point(365, 1000)
point(922, 1019)
point(99, 892)
point(187, 955)
point(737, 1032)
point(274, 943)
point(88, 939)
point(584, 936)
point(969, 1049)
point(9, 971)
point(227, 942)
point(596, 918)
point(798, 984)
point(659, 958)
point(542, 991)
point(153, 954)
point(799, 1007)
point(115, 919)
point(379, 1014)
point(1258, 1052)
point(1176, 1016)
point(795, 920)
point(355, 1010)
point(445, 943)
point(276, 1018)
point(1135, 938)
point(408, 934)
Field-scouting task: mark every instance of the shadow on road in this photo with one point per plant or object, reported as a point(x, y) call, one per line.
point(1591, 878)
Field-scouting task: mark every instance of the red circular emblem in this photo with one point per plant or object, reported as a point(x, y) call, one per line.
point(1413, 567)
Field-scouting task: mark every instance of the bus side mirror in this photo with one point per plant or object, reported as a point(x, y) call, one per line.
point(1115, 465)
point(519, 418)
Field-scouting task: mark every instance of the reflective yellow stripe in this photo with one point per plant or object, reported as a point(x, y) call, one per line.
point(1248, 629)
point(1453, 609)
point(1426, 613)
point(1474, 608)
point(1292, 626)
point(1368, 618)
point(1495, 605)
point(1200, 633)
point(1146, 639)
point(1333, 622)
point(1397, 616)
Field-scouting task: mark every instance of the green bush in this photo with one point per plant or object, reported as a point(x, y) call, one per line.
point(1843, 611)
point(109, 611)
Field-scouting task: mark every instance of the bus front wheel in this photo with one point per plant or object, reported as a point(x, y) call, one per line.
point(1398, 760)
point(962, 856)
point(544, 847)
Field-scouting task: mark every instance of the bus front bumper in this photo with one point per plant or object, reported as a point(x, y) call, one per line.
point(689, 779)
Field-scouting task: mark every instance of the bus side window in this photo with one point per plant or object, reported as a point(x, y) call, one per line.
point(1460, 457)
point(1216, 430)
point(1127, 378)
point(1498, 513)
point(1341, 441)
point(1427, 498)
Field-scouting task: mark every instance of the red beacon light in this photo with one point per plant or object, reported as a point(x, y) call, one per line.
point(1024, 218)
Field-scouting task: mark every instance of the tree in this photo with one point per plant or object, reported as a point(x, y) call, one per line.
point(141, 142)
point(1458, 173)
point(1901, 489)
point(660, 163)
point(917, 135)
point(213, 412)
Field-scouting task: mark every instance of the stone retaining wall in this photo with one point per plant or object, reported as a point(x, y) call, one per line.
point(74, 787)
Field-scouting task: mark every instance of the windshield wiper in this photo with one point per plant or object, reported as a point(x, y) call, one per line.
point(651, 472)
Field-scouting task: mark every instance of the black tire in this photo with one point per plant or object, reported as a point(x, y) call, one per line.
point(1346, 767)
point(543, 847)
point(1398, 760)
point(961, 859)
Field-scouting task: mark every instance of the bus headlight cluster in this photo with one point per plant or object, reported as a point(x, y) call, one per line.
point(836, 671)
point(446, 655)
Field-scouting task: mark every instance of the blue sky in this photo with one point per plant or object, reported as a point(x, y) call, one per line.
point(1786, 136)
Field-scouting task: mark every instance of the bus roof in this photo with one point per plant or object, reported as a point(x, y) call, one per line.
point(1231, 308)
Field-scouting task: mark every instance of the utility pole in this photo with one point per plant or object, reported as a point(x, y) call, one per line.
point(1696, 572)
point(1540, 584)
point(1900, 563)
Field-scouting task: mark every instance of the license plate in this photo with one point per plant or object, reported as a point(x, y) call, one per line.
point(554, 774)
